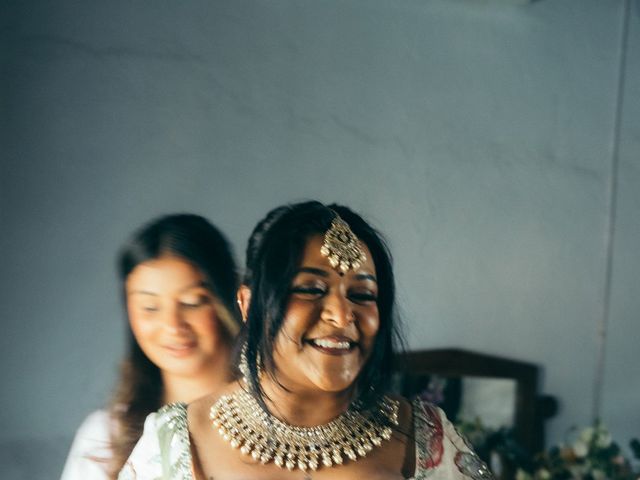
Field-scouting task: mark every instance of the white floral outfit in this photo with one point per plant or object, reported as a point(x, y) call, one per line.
point(163, 452)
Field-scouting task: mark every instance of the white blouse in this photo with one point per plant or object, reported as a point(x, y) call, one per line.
point(90, 450)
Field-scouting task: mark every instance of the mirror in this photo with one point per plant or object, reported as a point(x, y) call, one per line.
point(464, 398)
point(467, 385)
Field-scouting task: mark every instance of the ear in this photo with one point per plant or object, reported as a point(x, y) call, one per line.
point(243, 296)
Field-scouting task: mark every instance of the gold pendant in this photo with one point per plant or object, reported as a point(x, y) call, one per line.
point(342, 247)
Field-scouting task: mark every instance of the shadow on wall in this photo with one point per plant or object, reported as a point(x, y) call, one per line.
point(27, 459)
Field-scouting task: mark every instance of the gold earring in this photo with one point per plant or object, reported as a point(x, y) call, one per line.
point(243, 366)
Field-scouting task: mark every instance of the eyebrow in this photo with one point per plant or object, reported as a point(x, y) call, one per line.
point(199, 284)
point(366, 276)
point(314, 271)
point(142, 292)
point(323, 273)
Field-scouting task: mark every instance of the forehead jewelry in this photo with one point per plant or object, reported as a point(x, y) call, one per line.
point(342, 247)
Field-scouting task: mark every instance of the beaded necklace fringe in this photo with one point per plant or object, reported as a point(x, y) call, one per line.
point(243, 423)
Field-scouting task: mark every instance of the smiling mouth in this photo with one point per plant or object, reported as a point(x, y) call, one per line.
point(180, 349)
point(332, 346)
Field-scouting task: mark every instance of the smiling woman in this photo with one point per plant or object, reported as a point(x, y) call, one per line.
point(179, 281)
point(318, 304)
point(171, 309)
point(319, 338)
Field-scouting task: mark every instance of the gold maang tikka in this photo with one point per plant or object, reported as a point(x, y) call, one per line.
point(342, 247)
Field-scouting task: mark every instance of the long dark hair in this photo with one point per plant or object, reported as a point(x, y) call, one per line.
point(274, 253)
point(139, 390)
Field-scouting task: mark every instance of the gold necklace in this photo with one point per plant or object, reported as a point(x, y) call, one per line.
point(243, 423)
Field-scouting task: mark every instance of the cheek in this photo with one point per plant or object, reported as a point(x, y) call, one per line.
point(369, 324)
point(286, 342)
point(298, 320)
point(143, 328)
point(292, 331)
point(145, 332)
point(205, 324)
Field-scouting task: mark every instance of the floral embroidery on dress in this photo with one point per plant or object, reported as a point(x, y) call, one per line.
point(431, 430)
point(470, 465)
point(468, 462)
point(428, 435)
point(166, 453)
point(173, 435)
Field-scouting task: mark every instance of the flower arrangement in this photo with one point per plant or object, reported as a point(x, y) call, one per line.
point(593, 455)
point(497, 447)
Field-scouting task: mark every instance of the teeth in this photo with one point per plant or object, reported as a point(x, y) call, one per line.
point(322, 342)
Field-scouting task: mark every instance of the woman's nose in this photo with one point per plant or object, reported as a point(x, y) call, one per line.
point(337, 310)
point(173, 319)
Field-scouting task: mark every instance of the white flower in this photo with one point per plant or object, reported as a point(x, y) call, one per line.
point(577, 471)
point(587, 434)
point(604, 439)
point(543, 474)
point(580, 448)
point(522, 475)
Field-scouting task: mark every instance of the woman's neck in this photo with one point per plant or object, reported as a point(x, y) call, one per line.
point(305, 409)
point(187, 388)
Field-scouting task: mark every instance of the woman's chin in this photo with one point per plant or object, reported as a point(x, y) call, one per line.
point(184, 367)
point(335, 385)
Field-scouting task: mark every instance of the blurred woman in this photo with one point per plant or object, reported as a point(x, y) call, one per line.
point(179, 282)
point(314, 403)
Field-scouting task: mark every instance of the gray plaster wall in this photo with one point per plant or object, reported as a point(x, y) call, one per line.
point(478, 136)
point(621, 387)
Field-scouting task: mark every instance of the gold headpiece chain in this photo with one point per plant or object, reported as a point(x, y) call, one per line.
point(342, 247)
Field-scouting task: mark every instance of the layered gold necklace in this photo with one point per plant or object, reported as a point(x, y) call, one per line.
point(243, 423)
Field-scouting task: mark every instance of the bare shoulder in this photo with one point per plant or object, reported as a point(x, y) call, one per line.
point(198, 410)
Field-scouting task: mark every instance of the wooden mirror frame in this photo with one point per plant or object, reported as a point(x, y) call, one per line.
point(529, 409)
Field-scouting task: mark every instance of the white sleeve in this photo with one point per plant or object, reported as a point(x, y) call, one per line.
point(90, 450)
point(144, 463)
point(459, 457)
point(441, 453)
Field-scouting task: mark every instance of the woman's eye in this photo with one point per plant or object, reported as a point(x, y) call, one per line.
point(363, 297)
point(149, 308)
point(308, 290)
point(195, 302)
